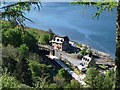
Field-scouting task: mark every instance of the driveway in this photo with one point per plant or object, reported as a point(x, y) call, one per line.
point(62, 54)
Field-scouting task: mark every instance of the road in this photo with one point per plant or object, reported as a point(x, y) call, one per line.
point(79, 78)
point(59, 54)
point(62, 54)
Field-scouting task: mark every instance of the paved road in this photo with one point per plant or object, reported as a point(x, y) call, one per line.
point(62, 54)
point(75, 62)
point(79, 78)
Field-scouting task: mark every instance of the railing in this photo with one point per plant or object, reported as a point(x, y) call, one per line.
point(48, 47)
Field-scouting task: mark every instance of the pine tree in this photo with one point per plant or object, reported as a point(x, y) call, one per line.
point(24, 75)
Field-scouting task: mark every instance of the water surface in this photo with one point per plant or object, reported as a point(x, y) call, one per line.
point(66, 19)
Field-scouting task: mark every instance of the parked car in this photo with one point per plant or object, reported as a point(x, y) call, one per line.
point(81, 67)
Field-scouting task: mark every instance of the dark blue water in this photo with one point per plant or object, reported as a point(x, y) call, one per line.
point(66, 19)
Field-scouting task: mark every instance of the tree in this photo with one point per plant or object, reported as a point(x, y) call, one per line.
point(40, 73)
point(109, 80)
point(9, 65)
point(62, 77)
point(91, 77)
point(12, 36)
point(15, 12)
point(117, 59)
point(99, 81)
point(64, 74)
point(83, 52)
point(23, 50)
point(17, 37)
point(51, 34)
point(23, 74)
point(54, 86)
point(109, 5)
point(30, 40)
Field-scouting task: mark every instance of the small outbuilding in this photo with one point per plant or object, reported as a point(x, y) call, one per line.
point(88, 61)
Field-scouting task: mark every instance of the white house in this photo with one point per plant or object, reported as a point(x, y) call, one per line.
point(86, 60)
point(60, 43)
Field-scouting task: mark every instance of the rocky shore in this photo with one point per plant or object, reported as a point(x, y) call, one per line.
point(100, 57)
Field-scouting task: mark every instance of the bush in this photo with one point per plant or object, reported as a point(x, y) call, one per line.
point(83, 52)
point(9, 82)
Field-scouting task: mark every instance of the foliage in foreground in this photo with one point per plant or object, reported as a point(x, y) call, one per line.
point(96, 80)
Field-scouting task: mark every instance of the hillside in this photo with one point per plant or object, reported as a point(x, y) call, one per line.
point(24, 66)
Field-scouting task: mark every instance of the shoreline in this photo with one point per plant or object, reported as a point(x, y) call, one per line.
point(104, 58)
point(88, 46)
point(99, 51)
point(96, 50)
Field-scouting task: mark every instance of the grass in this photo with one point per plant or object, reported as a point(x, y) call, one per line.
point(79, 45)
point(102, 66)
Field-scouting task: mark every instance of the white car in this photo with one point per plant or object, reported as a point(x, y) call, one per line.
point(81, 67)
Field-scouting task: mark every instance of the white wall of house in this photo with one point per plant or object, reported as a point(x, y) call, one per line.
point(86, 60)
point(72, 43)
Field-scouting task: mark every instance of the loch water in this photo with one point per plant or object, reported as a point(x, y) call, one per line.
point(76, 22)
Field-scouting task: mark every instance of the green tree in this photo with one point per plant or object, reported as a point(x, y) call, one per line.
point(117, 59)
point(23, 50)
point(91, 77)
point(12, 36)
point(64, 74)
point(62, 77)
point(30, 41)
point(83, 52)
point(99, 81)
point(9, 65)
point(73, 84)
point(109, 80)
point(17, 37)
point(15, 12)
point(40, 73)
point(40, 70)
point(54, 86)
point(23, 74)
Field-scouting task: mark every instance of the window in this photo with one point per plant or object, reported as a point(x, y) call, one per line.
point(58, 40)
point(61, 40)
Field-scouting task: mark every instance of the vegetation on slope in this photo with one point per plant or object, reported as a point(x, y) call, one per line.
point(23, 65)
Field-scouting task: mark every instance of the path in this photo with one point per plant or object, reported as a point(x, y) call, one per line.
point(74, 75)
